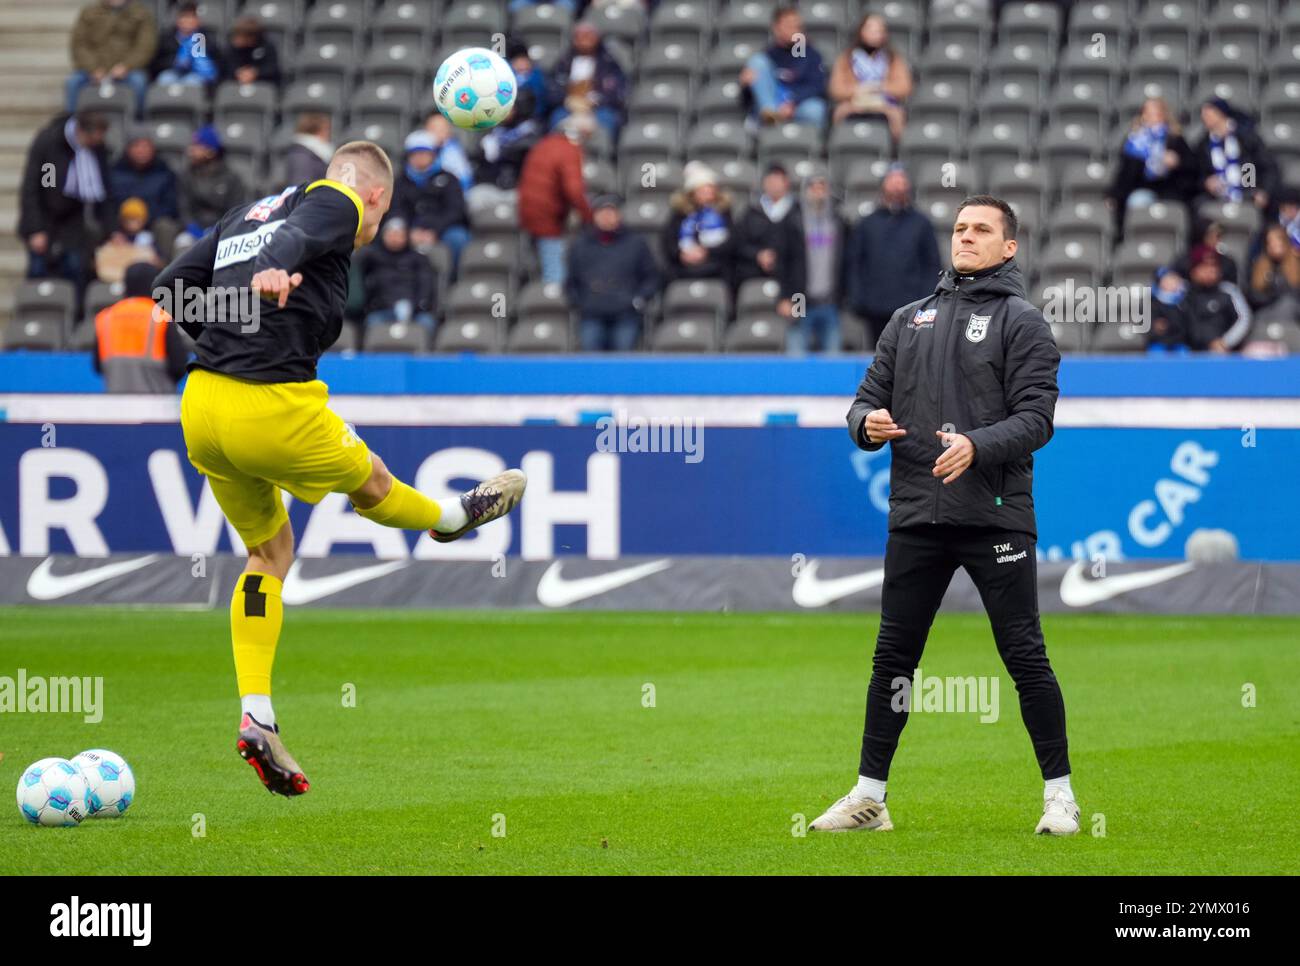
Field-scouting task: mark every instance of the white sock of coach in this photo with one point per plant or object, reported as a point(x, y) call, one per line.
point(1052, 784)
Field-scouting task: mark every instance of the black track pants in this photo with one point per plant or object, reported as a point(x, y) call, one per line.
point(919, 564)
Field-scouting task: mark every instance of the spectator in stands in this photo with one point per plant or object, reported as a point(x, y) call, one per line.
point(308, 156)
point(1209, 233)
point(498, 157)
point(871, 78)
point(611, 276)
point(399, 282)
point(1213, 315)
point(138, 348)
point(893, 256)
point(430, 200)
point(787, 81)
point(140, 173)
point(1155, 163)
point(129, 243)
point(186, 54)
point(1232, 161)
point(528, 77)
point(698, 241)
point(825, 244)
point(589, 80)
point(209, 186)
point(252, 57)
point(1274, 291)
point(1287, 200)
point(451, 155)
point(551, 186)
point(770, 240)
point(63, 213)
point(112, 40)
point(1166, 332)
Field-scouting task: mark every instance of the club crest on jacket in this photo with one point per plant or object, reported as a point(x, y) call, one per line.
point(977, 327)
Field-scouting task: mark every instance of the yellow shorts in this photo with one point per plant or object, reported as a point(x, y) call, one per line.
point(254, 439)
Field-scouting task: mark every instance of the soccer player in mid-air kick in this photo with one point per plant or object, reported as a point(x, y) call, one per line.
point(963, 389)
point(257, 420)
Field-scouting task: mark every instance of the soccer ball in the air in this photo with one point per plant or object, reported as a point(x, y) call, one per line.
point(52, 792)
point(109, 780)
point(474, 88)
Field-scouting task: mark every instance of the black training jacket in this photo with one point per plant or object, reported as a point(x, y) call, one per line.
point(306, 228)
point(974, 358)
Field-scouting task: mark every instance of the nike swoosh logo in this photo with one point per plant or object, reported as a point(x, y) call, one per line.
point(1078, 591)
point(303, 590)
point(43, 584)
point(555, 591)
point(811, 591)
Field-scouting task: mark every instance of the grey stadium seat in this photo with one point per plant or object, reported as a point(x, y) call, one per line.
point(765, 332)
point(471, 333)
point(541, 336)
point(37, 334)
point(396, 337)
point(251, 104)
point(685, 333)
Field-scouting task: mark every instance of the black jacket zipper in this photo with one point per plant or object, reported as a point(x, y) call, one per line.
point(943, 357)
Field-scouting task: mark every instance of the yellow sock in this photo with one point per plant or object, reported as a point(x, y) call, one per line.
point(404, 508)
point(256, 614)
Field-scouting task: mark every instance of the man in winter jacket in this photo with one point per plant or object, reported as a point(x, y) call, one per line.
point(611, 276)
point(963, 388)
point(112, 40)
point(61, 222)
point(429, 199)
point(893, 258)
point(399, 282)
point(589, 80)
point(770, 240)
point(209, 186)
point(140, 173)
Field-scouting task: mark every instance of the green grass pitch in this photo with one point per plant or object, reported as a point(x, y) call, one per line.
point(462, 718)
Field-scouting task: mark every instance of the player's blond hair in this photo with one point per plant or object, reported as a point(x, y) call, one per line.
point(361, 160)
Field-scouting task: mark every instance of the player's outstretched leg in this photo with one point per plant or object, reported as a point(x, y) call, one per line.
point(490, 500)
point(256, 616)
point(388, 501)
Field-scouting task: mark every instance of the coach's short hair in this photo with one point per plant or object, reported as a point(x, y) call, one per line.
point(369, 154)
point(1010, 223)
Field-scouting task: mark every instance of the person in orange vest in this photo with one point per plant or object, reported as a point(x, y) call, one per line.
point(137, 348)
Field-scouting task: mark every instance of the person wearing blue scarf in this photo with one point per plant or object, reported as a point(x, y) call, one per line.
point(1154, 164)
point(698, 241)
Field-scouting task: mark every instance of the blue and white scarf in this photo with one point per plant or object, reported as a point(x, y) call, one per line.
point(1148, 143)
point(705, 226)
point(85, 181)
point(1225, 157)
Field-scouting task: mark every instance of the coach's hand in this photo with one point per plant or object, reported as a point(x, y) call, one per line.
point(879, 426)
point(275, 284)
point(958, 454)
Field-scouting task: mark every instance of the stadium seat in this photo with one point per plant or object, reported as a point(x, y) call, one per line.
point(250, 104)
point(50, 300)
point(1082, 64)
point(499, 222)
point(929, 139)
point(1078, 258)
point(1033, 21)
point(660, 178)
point(1082, 220)
point(1136, 260)
point(395, 63)
point(37, 334)
point(325, 97)
point(856, 143)
point(396, 337)
point(176, 102)
point(1023, 64)
point(492, 261)
point(112, 100)
point(1083, 103)
point(472, 24)
point(542, 24)
point(745, 21)
point(1066, 145)
point(696, 297)
point(854, 334)
point(954, 63)
point(626, 23)
point(719, 100)
point(1109, 18)
point(599, 176)
point(671, 61)
point(787, 144)
point(729, 57)
point(685, 332)
point(1117, 337)
point(330, 62)
point(383, 102)
point(684, 22)
point(82, 338)
point(939, 101)
point(171, 138)
point(1171, 23)
point(1160, 222)
point(407, 22)
point(763, 332)
point(476, 333)
point(338, 23)
point(646, 215)
point(542, 299)
point(477, 298)
point(539, 336)
point(960, 23)
point(648, 141)
point(716, 141)
point(757, 296)
point(996, 145)
point(661, 101)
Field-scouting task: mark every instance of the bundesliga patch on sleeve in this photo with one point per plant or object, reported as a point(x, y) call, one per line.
point(265, 208)
point(924, 318)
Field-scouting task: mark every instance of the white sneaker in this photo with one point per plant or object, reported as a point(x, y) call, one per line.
point(1060, 816)
point(851, 814)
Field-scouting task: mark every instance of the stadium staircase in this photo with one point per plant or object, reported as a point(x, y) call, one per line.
point(33, 68)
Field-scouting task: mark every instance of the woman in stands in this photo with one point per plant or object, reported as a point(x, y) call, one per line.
point(871, 78)
point(1274, 290)
point(698, 241)
point(1154, 164)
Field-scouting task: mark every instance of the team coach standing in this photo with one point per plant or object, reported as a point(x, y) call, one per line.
point(963, 388)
